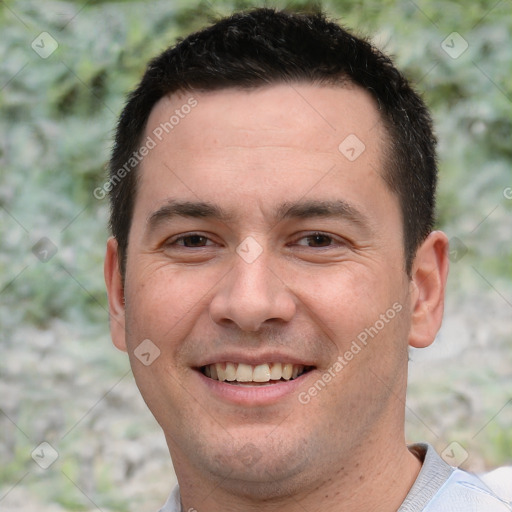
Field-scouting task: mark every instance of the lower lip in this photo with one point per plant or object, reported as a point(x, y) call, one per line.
point(253, 395)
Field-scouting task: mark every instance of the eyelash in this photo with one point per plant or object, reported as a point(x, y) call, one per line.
point(173, 242)
point(183, 237)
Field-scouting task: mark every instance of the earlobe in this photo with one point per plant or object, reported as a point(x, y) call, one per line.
point(429, 275)
point(115, 291)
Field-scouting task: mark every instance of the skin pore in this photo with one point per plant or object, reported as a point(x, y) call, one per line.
point(327, 233)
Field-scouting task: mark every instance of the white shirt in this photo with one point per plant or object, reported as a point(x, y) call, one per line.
point(438, 488)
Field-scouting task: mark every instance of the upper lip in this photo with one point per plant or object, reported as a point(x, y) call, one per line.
point(254, 359)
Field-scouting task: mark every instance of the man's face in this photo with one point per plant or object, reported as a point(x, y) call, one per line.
point(279, 278)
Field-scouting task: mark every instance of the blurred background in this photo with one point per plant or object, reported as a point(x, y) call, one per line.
point(65, 68)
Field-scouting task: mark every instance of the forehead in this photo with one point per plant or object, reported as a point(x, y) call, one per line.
point(262, 144)
point(285, 114)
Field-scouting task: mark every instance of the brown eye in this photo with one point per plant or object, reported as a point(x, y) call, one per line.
point(314, 240)
point(190, 241)
point(318, 240)
point(193, 241)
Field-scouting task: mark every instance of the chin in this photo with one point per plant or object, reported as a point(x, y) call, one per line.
point(257, 469)
point(264, 481)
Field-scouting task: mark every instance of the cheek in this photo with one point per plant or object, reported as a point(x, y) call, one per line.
point(346, 298)
point(161, 310)
point(161, 302)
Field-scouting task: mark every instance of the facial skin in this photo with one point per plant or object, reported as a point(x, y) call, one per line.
point(301, 300)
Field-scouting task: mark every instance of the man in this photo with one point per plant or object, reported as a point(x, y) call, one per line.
point(272, 190)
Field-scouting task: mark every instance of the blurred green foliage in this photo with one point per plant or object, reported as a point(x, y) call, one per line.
point(58, 115)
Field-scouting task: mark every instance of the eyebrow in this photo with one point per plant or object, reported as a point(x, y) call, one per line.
point(321, 208)
point(191, 209)
point(287, 210)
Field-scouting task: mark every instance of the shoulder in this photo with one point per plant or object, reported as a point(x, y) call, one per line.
point(443, 488)
point(499, 481)
point(463, 492)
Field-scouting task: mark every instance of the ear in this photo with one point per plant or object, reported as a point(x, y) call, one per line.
point(428, 283)
point(115, 291)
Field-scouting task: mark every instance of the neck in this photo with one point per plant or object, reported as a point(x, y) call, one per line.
point(376, 477)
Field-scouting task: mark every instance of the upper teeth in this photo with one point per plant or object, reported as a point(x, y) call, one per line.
point(241, 372)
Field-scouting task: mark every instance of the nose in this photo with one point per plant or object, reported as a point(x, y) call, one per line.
point(252, 294)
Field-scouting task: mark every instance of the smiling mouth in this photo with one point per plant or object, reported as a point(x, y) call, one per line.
point(253, 375)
